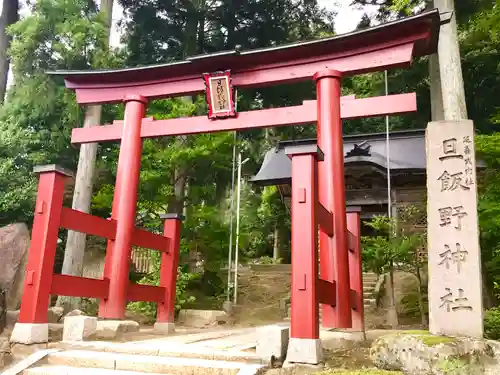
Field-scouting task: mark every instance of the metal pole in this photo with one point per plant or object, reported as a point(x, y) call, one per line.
point(238, 195)
point(230, 256)
point(388, 153)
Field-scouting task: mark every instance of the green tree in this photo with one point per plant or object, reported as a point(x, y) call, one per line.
point(36, 128)
point(394, 246)
point(488, 151)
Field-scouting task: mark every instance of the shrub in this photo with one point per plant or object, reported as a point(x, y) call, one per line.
point(268, 260)
point(149, 308)
point(492, 323)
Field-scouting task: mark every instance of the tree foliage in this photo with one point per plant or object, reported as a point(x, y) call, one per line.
point(36, 120)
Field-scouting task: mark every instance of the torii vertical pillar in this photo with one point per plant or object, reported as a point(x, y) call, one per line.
point(334, 261)
point(355, 268)
point(118, 252)
point(168, 273)
point(304, 345)
point(33, 327)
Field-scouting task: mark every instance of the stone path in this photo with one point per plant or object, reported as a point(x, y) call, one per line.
point(212, 351)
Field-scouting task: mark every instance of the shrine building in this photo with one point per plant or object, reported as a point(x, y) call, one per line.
point(366, 172)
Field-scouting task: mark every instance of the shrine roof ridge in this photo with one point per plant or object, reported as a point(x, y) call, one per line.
point(419, 133)
point(427, 21)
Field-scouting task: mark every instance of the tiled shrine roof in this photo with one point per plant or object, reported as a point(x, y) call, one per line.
point(406, 154)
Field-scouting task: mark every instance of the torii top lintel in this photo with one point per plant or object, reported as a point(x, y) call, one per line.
point(381, 47)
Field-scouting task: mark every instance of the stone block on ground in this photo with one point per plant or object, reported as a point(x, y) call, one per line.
point(54, 314)
point(202, 318)
point(304, 351)
point(272, 342)
point(30, 333)
point(72, 313)
point(421, 353)
point(164, 328)
point(114, 329)
point(14, 246)
point(79, 328)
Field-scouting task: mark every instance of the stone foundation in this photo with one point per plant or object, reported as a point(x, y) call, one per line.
point(306, 351)
point(28, 333)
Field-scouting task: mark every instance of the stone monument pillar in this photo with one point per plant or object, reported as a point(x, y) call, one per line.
point(455, 289)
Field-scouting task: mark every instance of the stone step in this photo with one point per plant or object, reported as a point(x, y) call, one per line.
point(66, 370)
point(173, 349)
point(148, 364)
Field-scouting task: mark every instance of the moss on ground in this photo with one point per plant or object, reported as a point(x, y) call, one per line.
point(431, 340)
point(428, 338)
point(453, 365)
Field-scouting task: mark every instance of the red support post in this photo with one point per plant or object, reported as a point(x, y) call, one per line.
point(334, 263)
point(304, 301)
point(124, 210)
point(355, 268)
point(168, 273)
point(42, 252)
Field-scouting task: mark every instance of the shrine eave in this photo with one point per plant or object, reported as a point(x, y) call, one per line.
point(388, 45)
point(407, 156)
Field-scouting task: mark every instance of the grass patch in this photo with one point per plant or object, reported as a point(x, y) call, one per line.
point(452, 365)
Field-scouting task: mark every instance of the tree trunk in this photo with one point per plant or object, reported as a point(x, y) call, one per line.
point(276, 242)
point(82, 195)
point(392, 312)
point(437, 111)
point(9, 16)
point(423, 314)
point(176, 203)
point(450, 67)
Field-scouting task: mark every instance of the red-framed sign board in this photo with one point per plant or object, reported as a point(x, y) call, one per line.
point(219, 95)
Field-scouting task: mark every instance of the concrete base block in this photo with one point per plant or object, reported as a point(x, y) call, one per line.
point(30, 333)
point(307, 351)
point(272, 341)
point(79, 328)
point(164, 328)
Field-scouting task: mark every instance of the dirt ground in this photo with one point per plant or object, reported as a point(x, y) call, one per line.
point(355, 361)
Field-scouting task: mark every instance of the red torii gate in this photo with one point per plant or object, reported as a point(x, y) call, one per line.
point(318, 197)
